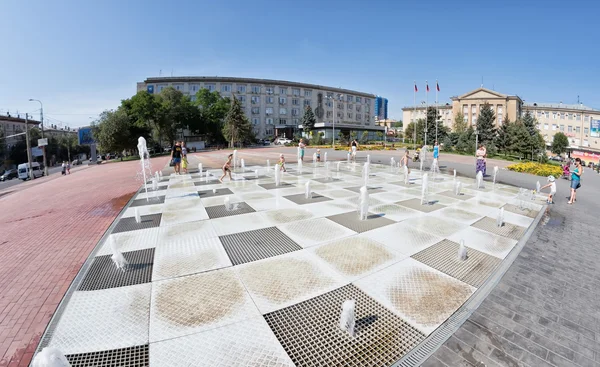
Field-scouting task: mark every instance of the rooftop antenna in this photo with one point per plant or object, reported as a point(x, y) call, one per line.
point(160, 72)
point(578, 99)
point(482, 81)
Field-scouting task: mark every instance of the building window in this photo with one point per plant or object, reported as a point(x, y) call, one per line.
point(269, 100)
point(367, 100)
point(358, 116)
point(256, 89)
point(586, 131)
point(349, 98)
point(570, 129)
point(295, 111)
point(367, 109)
point(269, 121)
point(500, 118)
point(283, 91)
point(547, 114)
point(570, 116)
point(283, 111)
point(307, 102)
point(296, 91)
point(586, 118)
point(295, 102)
point(270, 90)
point(329, 104)
point(282, 121)
point(178, 87)
point(340, 106)
point(562, 127)
point(241, 89)
point(349, 115)
point(578, 129)
point(269, 110)
point(194, 88)
point(358, 99)
point(307, 93)
point(255, 121)
point(255, 110)
point(553, 127)
point(282, 100)
point(500, 110)
point(295, 122)
point(578, 117)
point(255, 100)
point(350, 106)
point(193, 98)
point(554, 115)
point(241, 98)
point(210, 87)
point(586, 143)
point(562, 115)
point(340, 115)
point(545, 126)
point(329, 114)
point(225, 88)
point(357, 108)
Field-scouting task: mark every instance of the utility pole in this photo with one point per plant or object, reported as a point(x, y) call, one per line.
point(30, 170)
point(42, 124)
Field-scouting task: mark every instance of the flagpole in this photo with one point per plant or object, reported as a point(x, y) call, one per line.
point(415, 118)
point(436, 109)
point(426, 103)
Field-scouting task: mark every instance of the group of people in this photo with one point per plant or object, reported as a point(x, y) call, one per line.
point(66, 168)
point(179, 157)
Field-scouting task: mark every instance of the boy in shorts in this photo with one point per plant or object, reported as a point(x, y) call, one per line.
point(552, 185)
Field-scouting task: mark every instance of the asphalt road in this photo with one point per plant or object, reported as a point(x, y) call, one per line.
point(16, 181)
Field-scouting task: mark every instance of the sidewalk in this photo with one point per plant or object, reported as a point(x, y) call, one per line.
point(43, 245)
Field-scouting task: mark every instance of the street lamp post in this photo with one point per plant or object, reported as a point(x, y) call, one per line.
point(42, 124)
point(333, 129)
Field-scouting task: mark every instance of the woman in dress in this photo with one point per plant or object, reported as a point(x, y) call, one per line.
point(575, 180)
point(480, 166)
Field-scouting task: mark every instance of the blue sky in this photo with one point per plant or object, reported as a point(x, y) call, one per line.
point(81, 57)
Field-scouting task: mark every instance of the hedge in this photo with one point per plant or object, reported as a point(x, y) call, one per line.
point(537, 169)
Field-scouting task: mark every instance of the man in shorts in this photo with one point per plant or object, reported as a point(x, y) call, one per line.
point(176, 155)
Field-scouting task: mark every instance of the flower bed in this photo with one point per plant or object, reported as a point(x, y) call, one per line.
point(537, 169)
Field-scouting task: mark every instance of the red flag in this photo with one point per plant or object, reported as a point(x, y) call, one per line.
point(427, 88)
point(437, 86)
point(416, 89)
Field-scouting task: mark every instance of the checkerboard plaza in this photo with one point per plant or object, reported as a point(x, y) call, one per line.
point(263, 282)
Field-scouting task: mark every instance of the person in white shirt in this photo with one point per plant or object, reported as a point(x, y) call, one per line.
point(552, 185)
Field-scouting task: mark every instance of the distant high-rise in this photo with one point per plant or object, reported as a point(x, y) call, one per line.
point(381, 108)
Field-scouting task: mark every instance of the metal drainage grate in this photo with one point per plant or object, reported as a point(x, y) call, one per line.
point(525, 211)
point(272, 186)
point(452, 195)
point(370, 189)
point(416, 204)
point(129, 223)
point(150, 201)
point(258, 244)
point(300, 199)
point(326, 180)
point(352, 221)
point(443, 256)
point(164, 179)
point(219, 211)
point(137, 356)
point(310, 334)
point(507, 229)
point(411, 183)
point(104, 274)
point(218, 192)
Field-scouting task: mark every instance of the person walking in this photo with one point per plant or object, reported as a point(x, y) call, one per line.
point(176, 153)
point(575, 180)
point(64, 168)
point(227, 168)
point(184, 161)
point(354, 145)
point(302, 146)
point(480, 166)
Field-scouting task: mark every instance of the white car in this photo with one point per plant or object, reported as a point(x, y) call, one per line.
point(283, 141)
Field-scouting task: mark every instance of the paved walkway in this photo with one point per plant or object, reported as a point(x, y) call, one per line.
point(48, 231)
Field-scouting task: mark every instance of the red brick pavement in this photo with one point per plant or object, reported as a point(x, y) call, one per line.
point(47, 231)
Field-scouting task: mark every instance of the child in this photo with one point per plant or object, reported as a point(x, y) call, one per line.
point(281, 163)
point(227, 168)
point(318, 155)
point(404, 160)
point(552, 186)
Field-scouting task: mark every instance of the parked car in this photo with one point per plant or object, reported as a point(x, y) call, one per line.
point(556, 158)
point(23, 170)
point(9, 174)
point(76, 162)
point(282, 141)
point(264, 142)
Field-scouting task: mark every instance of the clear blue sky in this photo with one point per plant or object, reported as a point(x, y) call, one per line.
point(81, 57)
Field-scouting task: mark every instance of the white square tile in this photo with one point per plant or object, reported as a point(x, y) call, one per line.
point(421, 295)
point(517, 219)
point(474, 208)
point(183, 216)
point(190, 203)
point(104, 319)
point(438, 226)
point(246, 343)
point(311, 232)
point(458, 215)
point(287, 215)
point(281, 281)
point(395, 212)
point(402, 238)
point(484, 241)
point(143, 210)
point(355, 257)
point(276, 202)
point(188, 256)
point(195, 303)
point(193, 231)
point(240, 223)
point(130, 241)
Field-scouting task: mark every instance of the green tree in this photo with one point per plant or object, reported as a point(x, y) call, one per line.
point(176, 112)
point(308, 120)
point(353, 135)
point(530, 123)
point(521, 140)
point(237, 127)
point(433, 118)
point(112, 131)
point(397, 124)
point(466, 141)
point(213, 110)
point(364, 138)
point(460, 124)
point(146, 115)
point(504, 137)
point(379, 135)
point(560, 142)
point(486, 128)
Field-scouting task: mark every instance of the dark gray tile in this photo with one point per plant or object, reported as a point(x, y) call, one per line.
point(258, 244)
point(104, 274)
point(129, 223)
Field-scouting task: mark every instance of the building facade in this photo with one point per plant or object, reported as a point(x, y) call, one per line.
point(381, 108)
point(580, 123)
point(276, 107)
point(11, 125)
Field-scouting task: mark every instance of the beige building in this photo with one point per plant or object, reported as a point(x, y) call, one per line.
point(578, 122)
point(276, 107)
point(10, 125)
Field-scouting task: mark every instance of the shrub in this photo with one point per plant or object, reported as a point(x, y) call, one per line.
point(537, 169)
